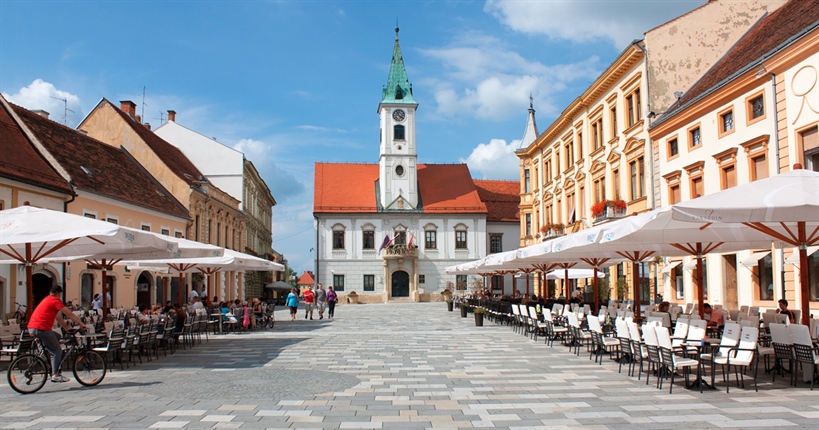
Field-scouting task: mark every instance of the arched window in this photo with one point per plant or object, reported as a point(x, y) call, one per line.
point(398, 132)
point(338, 236)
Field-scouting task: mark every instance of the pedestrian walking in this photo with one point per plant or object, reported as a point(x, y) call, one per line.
point(292, 303)
point(309, 302)
point(321, 301)
point(332, 298)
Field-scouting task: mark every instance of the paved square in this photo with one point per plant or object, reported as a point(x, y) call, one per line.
point(395, 366)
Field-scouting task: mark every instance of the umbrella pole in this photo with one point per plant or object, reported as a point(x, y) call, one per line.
point(700, 278)
point(595, 289)
point(29, 281)
point(105, 303)
point(527, 284)
point(566, 292)
point(210, 285)
point(635, 282)
point(180, 288)
point(803, 274)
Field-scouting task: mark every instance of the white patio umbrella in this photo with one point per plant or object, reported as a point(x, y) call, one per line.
point(30, 235)
point(574, 274)
point(231, 261)
point(784, 207)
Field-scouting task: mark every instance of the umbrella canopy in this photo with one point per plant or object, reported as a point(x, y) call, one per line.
point(574, 274)
point(279, 286)
point(784, 207)
point(30, 235)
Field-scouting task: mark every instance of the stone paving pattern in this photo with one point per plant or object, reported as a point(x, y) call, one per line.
point(393, 366)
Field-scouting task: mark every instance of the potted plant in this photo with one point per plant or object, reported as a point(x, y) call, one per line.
point(464, 309)
point(352, 297)
point(449, 303)
point(609, 208)
point(480, 311)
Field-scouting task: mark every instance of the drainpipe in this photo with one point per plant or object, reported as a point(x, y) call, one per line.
point(642, 47)
point(65, 209)
point(778, 171)
point(318, 250)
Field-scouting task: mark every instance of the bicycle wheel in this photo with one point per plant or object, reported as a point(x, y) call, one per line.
point(270, 322)
point(89, 368)
point(27, 374)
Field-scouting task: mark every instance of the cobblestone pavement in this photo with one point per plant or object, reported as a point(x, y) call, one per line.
point(393, 366)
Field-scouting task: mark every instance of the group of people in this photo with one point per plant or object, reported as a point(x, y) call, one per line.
point(318, 301)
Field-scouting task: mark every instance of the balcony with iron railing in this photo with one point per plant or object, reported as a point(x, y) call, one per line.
point(608, 210)
point(400, 251)
point(551, 231)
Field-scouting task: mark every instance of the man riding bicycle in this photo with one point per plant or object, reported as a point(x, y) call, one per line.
point(41, 322)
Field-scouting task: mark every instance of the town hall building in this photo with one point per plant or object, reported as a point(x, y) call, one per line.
point(387, 231)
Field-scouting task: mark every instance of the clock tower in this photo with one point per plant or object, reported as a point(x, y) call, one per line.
point(398, 170)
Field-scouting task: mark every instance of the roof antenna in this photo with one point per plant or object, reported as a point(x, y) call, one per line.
point(65, 109)
point(142, 114)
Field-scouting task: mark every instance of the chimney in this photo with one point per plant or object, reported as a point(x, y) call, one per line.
point(172, 115)
point(128, 107)
point(147, 125)
point(42, 113)
point(138, 119)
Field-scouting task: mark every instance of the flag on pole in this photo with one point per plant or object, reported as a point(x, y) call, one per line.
point(409, 242)
point(385, 243)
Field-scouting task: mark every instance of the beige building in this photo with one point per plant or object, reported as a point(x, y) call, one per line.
point(754, 114)
point(596, 161)
point(27, 178)
point(216, 217)
point(110, 186)
point(228, 169)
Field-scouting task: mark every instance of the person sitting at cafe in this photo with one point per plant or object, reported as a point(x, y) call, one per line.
point(143, 315)
point(179, 322)
point(714, 317)
point(783, 310)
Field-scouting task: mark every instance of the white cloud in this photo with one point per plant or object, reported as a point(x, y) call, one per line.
point(618, 22)
point(494, 160)
point(483, 78)
point(43, 95)
point(253, 149)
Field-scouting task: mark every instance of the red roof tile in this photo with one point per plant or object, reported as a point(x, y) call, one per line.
point(351, 188)
point(22, 162)
point(306, 279)
point(170, 155)
point(113, 172)
point(501, 199)
point(763, 38)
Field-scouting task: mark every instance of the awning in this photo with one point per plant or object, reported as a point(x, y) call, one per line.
point(691, 265)
point(671, 265)
point(794, 258)
point(753, 260)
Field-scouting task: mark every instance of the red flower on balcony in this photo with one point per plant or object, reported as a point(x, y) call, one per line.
point(599, 208)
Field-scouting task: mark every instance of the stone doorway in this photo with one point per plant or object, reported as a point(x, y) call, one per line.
point(400, 284)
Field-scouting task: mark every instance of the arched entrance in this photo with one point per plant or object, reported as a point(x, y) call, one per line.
point(40, 287)
point(400, 284)
point(143, 285)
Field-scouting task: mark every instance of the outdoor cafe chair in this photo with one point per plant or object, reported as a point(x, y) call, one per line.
point(733, 315)
point(534, 323)
point(688, 308)
point(753, 311)
point(797, 316)
point(783, 351)
point(804, 351)
point(717, 356)
point(624, 338)
point(696, 333)
point(603, 344)
point(638, 353)
point(743, 310)
point(516, 317)
point(671, 362)
point(579, 337)
point(652, 347)
point(742, 357)
point(111, 350)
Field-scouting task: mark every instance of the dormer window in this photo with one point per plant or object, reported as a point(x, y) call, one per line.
point(398, 132)
point(398, 93)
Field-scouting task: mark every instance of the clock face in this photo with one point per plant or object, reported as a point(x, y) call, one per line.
point(398, 115)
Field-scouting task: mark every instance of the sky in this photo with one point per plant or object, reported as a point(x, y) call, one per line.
point(291, 83)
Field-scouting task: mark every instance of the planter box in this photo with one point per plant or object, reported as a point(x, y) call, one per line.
point(611, 212)
point(478, 320)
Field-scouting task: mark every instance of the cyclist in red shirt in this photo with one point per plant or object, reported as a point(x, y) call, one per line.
point(309, 302)
point(41, 322)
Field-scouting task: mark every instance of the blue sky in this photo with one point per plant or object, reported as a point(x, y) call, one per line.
point(295, 82)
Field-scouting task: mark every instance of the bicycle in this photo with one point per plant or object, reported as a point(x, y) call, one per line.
point(29, 372)
point(20, 314)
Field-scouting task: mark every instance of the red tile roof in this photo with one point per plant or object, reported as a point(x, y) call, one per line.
point(306, 279)
point(351, 188)
point(169, 154)
point(501, 199)
point(22, 162)
point(113, 172)
point(760, 41)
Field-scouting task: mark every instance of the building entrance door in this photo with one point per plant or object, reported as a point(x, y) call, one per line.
point(143, 295)
point(41, 287)
point(400, 284)
point(729, 281)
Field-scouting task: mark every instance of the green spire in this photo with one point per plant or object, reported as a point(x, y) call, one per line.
point(398, 88)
